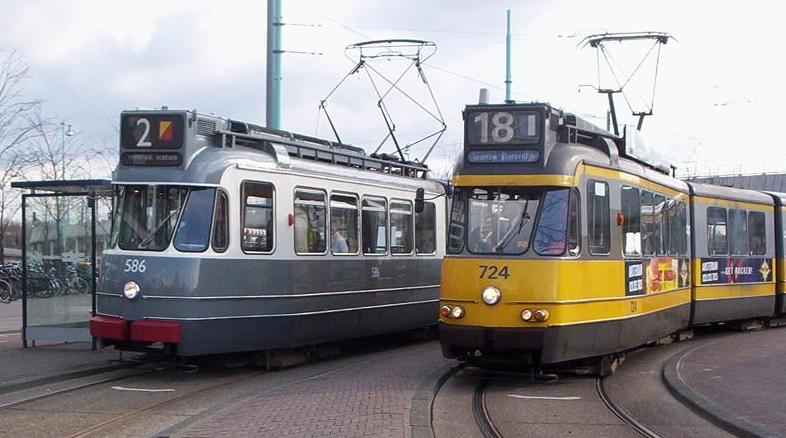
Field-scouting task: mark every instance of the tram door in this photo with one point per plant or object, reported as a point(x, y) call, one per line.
point(64, 234)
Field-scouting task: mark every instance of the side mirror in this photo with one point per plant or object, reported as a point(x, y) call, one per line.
point(419, 203)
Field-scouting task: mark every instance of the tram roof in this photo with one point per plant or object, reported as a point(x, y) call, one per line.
point(730, 193)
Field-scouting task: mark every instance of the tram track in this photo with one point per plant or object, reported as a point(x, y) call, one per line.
point(621, 412)
point(481, 413)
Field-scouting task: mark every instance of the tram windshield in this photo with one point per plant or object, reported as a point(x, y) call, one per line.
point(506, 220)
point(146, 215)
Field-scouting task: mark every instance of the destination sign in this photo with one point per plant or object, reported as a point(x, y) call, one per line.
point(151, 159)
point(508, 156)
point(152, 131)
point(502, 127)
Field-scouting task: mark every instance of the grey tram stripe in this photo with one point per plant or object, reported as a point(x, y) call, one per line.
point(315, 294)
point(279, 315)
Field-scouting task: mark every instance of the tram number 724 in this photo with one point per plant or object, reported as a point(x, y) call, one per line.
point(494, 272)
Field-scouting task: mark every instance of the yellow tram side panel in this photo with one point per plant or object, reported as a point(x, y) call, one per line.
point(703, 292)
point(572, 291)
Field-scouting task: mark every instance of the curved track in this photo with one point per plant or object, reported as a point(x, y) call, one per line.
point(621, 412)
point(481, 413)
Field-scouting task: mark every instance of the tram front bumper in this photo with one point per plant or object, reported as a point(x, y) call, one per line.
point(119, 329)
point(530, 339)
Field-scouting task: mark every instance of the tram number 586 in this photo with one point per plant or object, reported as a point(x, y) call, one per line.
point(494, 272)
point(135, 265)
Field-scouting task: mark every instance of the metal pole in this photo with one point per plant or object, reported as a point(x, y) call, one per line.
point(273, 89)
point(24, 271)
point(508, 80)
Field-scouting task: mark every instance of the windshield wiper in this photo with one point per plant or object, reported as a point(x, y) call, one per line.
point(509, 235)
point(152, 234)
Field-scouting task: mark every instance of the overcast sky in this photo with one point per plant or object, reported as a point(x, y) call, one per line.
point(717, 102)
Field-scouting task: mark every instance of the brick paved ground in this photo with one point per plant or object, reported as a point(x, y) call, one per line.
point(370, 398)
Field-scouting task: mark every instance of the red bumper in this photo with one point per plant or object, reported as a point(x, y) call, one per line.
point(109, 327)
point(119, 329)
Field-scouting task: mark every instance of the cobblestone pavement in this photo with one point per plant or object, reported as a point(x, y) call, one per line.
point(370, 398)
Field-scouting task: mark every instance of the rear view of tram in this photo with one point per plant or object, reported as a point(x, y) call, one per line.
point(540, 266)
point(230, 237)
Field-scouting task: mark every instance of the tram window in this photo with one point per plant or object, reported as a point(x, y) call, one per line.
point(738, 232)
point(657, 224)
point(458, 221)
point(310, 222)
point(193, 231)
point(647, 221)
point(501, 219)
point(574, 226)
point(221, 223)
point(425, 229)
point(716, 231)
point(673, 228)
point(631, 227)
point(682, 229)
point(598, 217)
point(757, 234)
point(146, 216)
point(401, 234)
point(343, 224)
point(375, 225)
point(257, 217)
point(552, 223)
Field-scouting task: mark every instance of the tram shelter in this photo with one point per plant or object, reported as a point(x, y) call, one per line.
point(65, 227)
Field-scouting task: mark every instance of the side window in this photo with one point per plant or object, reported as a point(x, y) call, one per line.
point(657, 224)
point(574, 224)
point(757, 234)
point(682, 229)
point(310, 222)
point(343, 224)
point(716, 231)
point(598, 217)
point(631, 228)
point(193, 231)
point(674, 228)
point(647, 223)
point(257, 215)
point(425, 229)
point(375, 225)
point(401, 235)
point(458, 220)
point(221, 223)
point(738, 232)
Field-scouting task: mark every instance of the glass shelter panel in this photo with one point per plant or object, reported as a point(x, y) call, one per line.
point(58, 258)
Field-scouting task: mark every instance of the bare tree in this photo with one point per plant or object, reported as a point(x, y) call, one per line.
point(17, 127)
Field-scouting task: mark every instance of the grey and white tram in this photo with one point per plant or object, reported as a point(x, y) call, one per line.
point(230, 237)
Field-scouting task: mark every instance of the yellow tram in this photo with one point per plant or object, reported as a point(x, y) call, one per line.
point(564, 245)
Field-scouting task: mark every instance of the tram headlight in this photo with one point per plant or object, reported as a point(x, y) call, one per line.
point(457, 312)
point(445, 311)
point(131, 290)
point(491, 295)
point(526, 315)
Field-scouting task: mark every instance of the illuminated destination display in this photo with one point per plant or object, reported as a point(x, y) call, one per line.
point(502, 127)
point(151, 159)
point(149, 131)
point(511, 156)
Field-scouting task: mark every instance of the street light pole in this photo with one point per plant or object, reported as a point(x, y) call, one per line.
point(64, 133)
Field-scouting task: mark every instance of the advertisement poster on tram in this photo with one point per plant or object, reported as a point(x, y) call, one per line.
point(730, 270)
point(658, 274)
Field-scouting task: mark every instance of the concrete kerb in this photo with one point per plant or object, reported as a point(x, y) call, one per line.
point(421, 406)
point(705, 407)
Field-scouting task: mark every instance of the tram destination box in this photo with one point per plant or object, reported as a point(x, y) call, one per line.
point(505, 134)
point(152, 138)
